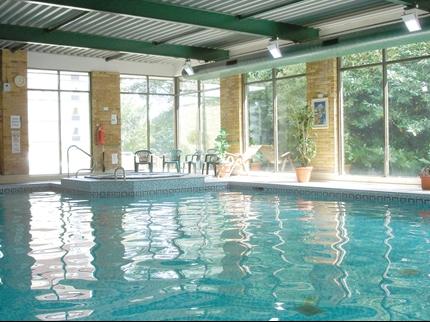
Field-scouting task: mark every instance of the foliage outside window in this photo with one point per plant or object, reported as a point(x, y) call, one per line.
point(290, 89)
point(364, 120)
point(291, 95)
point(199, 115)
point(143, 112)
point(408, 109)
point(360, 59)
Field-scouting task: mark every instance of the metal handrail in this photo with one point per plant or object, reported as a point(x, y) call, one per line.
point(123, 172)
point(93, 162)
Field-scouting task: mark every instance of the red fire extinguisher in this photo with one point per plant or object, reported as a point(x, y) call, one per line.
point(101, 135)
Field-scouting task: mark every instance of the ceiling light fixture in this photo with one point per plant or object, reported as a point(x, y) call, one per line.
point(188, 68)
point(273, 47)
point(410, 18)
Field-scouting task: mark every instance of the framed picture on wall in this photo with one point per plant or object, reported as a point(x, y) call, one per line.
point(320, 110)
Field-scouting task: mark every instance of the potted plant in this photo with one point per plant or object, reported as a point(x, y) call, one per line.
point(301, 125)
point(425, 177)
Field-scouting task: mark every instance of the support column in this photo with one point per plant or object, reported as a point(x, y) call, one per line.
point(13, 102)
point(231, 111)
point(105, 102)
point(322, 80)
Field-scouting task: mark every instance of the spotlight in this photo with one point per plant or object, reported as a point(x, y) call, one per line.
point(188, 68)
point(410, 18)
point(273, 47)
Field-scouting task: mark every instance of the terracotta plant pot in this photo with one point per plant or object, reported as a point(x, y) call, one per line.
point(303, 174)
point(425, 182)
point(255, 166)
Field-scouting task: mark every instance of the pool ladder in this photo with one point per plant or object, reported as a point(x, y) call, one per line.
point(116, 172)
point(93, 162)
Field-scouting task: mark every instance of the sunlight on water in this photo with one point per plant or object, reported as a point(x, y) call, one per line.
point(211, 256)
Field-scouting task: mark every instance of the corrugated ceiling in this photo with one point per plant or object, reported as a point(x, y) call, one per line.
point(325, 14)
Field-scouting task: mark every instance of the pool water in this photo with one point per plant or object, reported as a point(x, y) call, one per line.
point(212, 256)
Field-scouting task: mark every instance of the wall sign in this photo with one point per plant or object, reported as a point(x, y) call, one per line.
point(16, 141)
point(15, 122)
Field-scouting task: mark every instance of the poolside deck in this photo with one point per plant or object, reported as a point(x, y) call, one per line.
point(411, 186)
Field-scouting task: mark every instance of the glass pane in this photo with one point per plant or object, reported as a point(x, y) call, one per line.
point(291, 95)
point(189, 136)
point(363, 121)
point(161, 116)
point(260, 115)
point(134, 134)
point(210, 84)
point(408, 51)
point(409, 112)
point(291, 70)
point(133, 84)
point(368, 57)
point(75, 129)
point(211, 117)
point(44, 141)
point(161, 85)
point(42, 79)
point(259, 75)
point(74, 81)
point(188, 86)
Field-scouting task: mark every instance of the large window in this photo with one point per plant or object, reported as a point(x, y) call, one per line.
point(199, 115)
point(386, 124)
point(58, 117)
point(363, 121)
point(148, 116)
point(189, 139)
point(291, 94)
point(273, 94)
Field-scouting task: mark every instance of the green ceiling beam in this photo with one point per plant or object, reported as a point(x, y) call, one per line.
point(186, 15)
point(65, 38)
point(365, 40)
point(422, 4)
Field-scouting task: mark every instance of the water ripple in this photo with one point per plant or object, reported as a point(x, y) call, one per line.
point(211, 256)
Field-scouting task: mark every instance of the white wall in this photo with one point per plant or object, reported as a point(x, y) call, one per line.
point(86, 64)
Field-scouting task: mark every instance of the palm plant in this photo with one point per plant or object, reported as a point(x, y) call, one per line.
point(302, 122)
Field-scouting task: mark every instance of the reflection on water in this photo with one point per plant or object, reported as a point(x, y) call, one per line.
point(211, 256)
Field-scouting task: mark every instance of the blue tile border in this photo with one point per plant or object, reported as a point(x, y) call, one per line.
point(336, 193)
point(14, 188)
point(133, 194)
point(309, 192)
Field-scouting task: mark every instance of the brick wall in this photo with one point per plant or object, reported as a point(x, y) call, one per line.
point(105, 92)
point(231, 111)
point(322, 79)
point(13, 103)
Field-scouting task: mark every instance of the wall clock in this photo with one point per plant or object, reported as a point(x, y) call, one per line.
point(19, 81)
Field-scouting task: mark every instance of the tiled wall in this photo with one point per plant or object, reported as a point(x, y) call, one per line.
point(322, 79)
point(13, 102)
point(105, 93)
point(231, 111)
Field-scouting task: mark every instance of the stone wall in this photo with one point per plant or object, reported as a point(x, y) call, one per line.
point(231, 111)
point(105, 101)
point(13, 102)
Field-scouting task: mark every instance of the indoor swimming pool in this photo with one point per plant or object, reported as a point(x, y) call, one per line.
point(231, 255)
